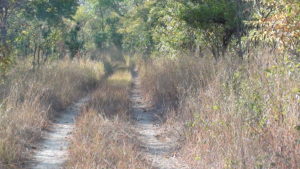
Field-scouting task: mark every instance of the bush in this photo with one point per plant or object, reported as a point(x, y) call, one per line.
point(236, 115)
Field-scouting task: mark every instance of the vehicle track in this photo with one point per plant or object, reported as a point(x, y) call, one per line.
point(158, 149)
point(52, 152)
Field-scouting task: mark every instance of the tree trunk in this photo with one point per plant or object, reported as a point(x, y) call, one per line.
point(38, 56)
point(3, 29)
point(34, 56)
point(46, 56)
point(240, 28)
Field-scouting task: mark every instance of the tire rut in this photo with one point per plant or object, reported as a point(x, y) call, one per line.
point(52, 151)
point(158, 152)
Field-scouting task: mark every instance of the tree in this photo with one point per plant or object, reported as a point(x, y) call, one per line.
point(51, 11)
point(137, 29)
point(171, 34)
point(72, 41)
point(277, 23)
point(49, 17)
point(7, 9)
point(218, 20)
point(43, 16)
point(102, 27)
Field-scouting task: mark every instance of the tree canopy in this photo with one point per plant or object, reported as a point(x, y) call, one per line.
point(110, 29)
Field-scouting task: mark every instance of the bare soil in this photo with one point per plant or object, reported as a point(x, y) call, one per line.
point(52, 151)
point(159, 147)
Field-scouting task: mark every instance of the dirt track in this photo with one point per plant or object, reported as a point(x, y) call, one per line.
point(158, 149)
point(52, 152)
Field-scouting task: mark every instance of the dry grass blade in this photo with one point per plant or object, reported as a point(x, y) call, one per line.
point(236, 115)
point(30, 99)
point(102, 138)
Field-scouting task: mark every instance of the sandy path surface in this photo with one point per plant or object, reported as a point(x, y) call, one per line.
point(157, 148)
point(52, 152)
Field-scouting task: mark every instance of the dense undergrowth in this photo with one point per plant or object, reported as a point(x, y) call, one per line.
point(237, 114)
point(103, 137)
point(29, 99)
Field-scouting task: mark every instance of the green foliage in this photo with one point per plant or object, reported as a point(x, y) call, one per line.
point(72, 41)
point(169, 28)
point(154, 27)
point(170, 32)
point(254, 97)
point(207, 13)
point(278, 21)
point(108, 68)
point(51, 11)
point(100, 24)
point(137, 30)
point(33, 28)
point(5, 63)
point(100, 38)
point(218, 20)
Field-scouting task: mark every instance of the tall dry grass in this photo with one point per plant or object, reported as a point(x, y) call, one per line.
point(103, 137)
point(29, 99)
point(237, 114)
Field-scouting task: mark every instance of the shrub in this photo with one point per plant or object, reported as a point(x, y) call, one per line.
point(236, 115)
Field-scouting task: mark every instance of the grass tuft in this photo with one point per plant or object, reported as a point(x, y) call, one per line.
point(103, 136)
point(29, 99)
point(235, 114)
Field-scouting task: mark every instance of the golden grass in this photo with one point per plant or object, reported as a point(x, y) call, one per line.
point(236, 115)
point(120, 78)
point(103, 137)
point(29, 99)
